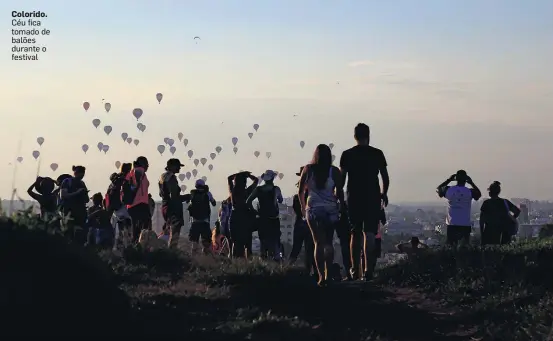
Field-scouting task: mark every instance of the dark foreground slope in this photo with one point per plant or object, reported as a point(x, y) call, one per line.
point(499, 294)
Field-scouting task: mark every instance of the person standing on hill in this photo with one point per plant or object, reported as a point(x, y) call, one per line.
point(201, 201)
point(361, 165)
point(121, 220)
point(74, 197)
point(171, 200)
point(497, 218)
point(459, 199)
point(136, 199)
point(241, 218)
point(45, 195)
point(269, 196)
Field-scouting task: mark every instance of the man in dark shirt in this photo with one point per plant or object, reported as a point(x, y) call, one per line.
point(361, 165)
point(171, 200)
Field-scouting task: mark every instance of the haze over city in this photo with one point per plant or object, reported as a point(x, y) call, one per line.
point(443, 86)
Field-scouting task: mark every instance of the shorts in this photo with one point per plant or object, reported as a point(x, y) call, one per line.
point(457, 233)
point(321, 218)
point(377, 248)
point(364, 214)
point(199, 229)
point(121, 216)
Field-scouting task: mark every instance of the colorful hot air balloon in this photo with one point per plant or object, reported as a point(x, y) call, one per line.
point(196, 162)
point(100, 145)
point(256, 153)
point(117, 164)
point(19, 159)
point(302, 144)
point(136, 142)
point(107, 130)
point(36, 154)
point(255, 127)
point(161, 149)
point(107, 106)
point(190, 153)
point(182, 177)
point(96, 122)
point(85, 148)
point(159, 97)
point(235, 150)
point(250, 135)
point(210, 167)
point(124, 136)
point(173, 149)
point(105, 148)
point(194, 172)
point(234, 141)
point(212, 156)
point(54, 166)
point(180, 136)
point(137, 113)
point(268, 154)
point(129, 140)
point(185, 141)
point(86, 105)
point(40, 141)
point(218, 149)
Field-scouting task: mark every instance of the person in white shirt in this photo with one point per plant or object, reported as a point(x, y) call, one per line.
point(459, 197)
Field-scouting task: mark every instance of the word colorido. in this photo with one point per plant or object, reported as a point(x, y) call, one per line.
point(33, 14)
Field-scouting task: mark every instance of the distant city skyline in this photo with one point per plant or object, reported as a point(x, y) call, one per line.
point(443, 85)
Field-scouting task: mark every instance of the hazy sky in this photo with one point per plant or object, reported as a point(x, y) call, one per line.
point(443, 84)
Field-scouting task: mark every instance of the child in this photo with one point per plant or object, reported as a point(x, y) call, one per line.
point(100, 230)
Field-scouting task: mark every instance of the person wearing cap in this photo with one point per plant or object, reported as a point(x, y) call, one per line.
point(459, 199)
point(171, 200)
point(242, 217)
point(45, 195)
point(74, 197)
point(139, 209)
point(268, 196)
point(201, 201)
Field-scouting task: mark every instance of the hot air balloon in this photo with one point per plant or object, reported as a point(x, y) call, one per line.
point(165, 140)
point(40, 141)
point(107, 130)
point(203, 161)
point(105, 148)
point(256, 153)
point(139, 126)
point(124, 136)
point(302, 144)
point(235, 150)
point(183, 188)
point(161, 149)
point(96, 122)
point(170, 142)
point(204, 178)
point(210, 167)
point(194, 172)
point(218, 149)
point(185, 141)
point(188, 175)
point(100, 145)
point(250, 135)
point(255, 127)
point(182, 177)
point(36, 154)
point(234, 141)
point(86, 105)
point(180, 136)
point(268, 154)
point(196, 38)
point(142, 128)
point(117, 164)
point(280, 176)
point(212, 156)
point(85, 148)
point(54, 166)
point(107, 106)
point(173, 149)
point(136, 142)
point(159, 97)
point(137, 113)
point(333, 158)
point(190, 153)
point(196, 162)
point(331, 145)
point(19, 159)
point(129, 140)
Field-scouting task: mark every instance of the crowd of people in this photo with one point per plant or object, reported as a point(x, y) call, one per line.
point(321, 206)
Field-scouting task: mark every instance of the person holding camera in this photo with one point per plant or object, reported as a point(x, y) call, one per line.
point(459, 198)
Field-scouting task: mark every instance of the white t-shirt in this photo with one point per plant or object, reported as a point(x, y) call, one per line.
point(459, 199)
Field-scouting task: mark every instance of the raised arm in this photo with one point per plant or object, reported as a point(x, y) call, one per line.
point(211, 199)
point(32, 194)
point(230, 181)
point(476, 194)
point(252, 197)
point(442, 188)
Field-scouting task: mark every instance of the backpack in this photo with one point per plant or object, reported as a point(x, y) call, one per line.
point(113, 197)
point(129, 191)
point(199, 205)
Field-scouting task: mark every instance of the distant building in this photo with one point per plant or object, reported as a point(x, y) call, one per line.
point(524, 217)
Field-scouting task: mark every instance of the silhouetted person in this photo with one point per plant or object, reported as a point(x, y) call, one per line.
point(100, 231)
point(497, 217)
point(412, 247)
point(45, 195)
point(459, 199)
point(137, 202)
point(201, 201)
point(74, 197)
point(121, 220)
point(241, 219)
point(171, 200)
point(361, 165)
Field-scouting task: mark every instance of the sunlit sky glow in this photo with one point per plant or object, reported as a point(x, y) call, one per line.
point(443, 84)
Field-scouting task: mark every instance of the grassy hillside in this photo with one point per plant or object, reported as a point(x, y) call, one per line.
point(495, 294)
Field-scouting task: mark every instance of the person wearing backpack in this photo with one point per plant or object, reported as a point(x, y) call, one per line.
point(201, 201)
point(268, 196)
point(135, 197)
point(120, 218)
point(74, 197)
point(497, 218)
point(171, 200)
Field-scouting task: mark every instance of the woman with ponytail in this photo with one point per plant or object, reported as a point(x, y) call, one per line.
point(497, 218)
